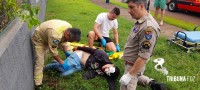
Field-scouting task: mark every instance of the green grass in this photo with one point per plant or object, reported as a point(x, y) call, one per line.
point(167, 19)
point(81, 14)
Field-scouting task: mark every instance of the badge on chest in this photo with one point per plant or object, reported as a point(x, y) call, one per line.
point(136, 29)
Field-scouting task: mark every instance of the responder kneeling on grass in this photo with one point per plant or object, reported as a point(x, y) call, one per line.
point(50, 35)
point(103, 23)
point(94, 61)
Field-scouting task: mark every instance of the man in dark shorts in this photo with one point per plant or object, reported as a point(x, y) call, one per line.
point(103, 24)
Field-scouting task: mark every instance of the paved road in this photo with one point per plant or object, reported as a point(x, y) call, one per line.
point(181, 15)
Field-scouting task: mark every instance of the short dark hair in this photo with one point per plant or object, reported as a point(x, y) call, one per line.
point(137, 1)
point(116, 10)
point(75, 34)
point(115, 74)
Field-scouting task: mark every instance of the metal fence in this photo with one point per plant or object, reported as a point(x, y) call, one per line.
point(6, 13)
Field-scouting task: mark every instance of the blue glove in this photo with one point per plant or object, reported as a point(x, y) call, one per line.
point(118, 48)
point(103, 42)
point(65, 65)
point(67, 54)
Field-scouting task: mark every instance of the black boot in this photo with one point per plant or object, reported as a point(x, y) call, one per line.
point(38, 87)
point(157, 86)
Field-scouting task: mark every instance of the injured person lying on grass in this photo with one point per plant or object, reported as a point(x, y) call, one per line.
point(94, 61)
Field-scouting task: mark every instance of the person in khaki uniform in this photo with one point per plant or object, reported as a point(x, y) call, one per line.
point(139, 47)
point(50, 35)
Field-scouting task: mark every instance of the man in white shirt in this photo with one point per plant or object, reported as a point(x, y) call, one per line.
point(103, 23)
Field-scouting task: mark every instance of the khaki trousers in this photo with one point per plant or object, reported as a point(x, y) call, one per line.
point(40, 51)
point(139, 79)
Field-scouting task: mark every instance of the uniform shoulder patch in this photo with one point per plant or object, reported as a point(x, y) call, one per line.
point(54, 46)
point(148, 33)
point(146, 45)
point(55, 41)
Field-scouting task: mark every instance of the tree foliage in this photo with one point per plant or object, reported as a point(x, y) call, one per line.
point(13, 8)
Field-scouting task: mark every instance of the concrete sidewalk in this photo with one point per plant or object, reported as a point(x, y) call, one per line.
point(167, 30)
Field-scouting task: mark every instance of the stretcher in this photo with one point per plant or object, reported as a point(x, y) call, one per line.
point(189, 40)
point(112, 55)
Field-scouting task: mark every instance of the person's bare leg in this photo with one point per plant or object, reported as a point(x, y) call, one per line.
point(156, 12)
point(111, 46)
point(91, 38)
point(162, 16)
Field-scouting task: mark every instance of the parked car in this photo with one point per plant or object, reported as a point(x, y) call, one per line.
point(187, 5)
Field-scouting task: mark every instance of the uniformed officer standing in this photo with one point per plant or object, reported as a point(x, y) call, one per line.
point(50, 35)
point(139, 47)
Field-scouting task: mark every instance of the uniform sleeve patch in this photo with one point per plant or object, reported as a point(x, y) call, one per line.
point(54, 46)
point(146, 45)
point(55, 41)
point(148, 34)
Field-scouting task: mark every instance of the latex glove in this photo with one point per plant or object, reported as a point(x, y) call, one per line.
point(125, 79)
point(67, 54)
point(103, 42)
point(65, 65)
point(118, 48)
